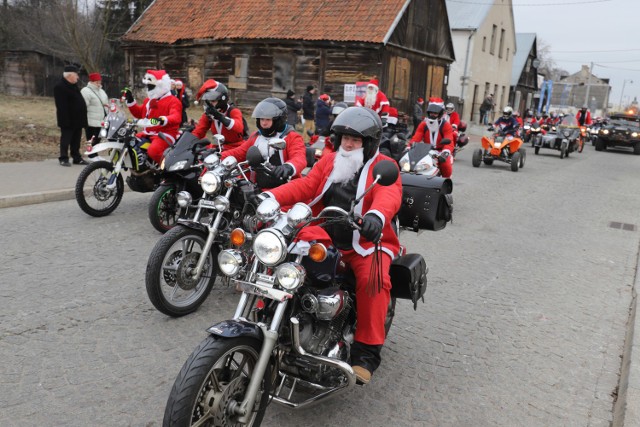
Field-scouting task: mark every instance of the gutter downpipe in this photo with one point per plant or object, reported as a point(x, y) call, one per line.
point(465, 77)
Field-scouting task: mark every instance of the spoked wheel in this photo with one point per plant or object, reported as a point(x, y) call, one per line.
point(213, 382)
point(98, 190)
point(170, 281)
point(163, 208)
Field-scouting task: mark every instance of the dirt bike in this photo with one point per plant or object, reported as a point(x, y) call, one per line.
point(181, 168)
point(100, 186)
point(290, 336)
point(502, 147)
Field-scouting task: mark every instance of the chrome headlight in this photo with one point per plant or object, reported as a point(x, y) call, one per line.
point(184, 199)
point(230, 261)
point(221, 203)
point(422, 166)
point(103, 132)
point(270, 247)
point(178, 165)
point(211, 161)
point(268, 209)
point(210, 183)
point(290, 275)
point(299, 214)
point(230, 163)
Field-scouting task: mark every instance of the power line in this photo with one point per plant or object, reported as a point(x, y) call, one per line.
point(566, 3)
point(593, 51)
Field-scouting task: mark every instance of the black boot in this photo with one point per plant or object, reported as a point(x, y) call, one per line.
point(365, 359)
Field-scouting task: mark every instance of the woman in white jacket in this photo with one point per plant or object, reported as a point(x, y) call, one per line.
point(97, 105)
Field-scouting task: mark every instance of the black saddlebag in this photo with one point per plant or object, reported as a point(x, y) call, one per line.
point(427, 203)
point(144, 182)
point(409, 277)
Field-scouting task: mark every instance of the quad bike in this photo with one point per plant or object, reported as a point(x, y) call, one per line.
point(500, 146)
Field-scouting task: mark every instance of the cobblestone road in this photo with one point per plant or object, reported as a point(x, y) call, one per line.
point(524, 321)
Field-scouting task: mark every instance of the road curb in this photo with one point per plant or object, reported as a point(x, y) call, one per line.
point(626, 411)
point(34, 198)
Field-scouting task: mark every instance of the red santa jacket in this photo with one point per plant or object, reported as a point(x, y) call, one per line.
point(167, 107)
point(380, 106)
point(232, 133)
point(384, 202)
point(587, 118)
point(454, 119)
point(424, 135)
point(295, 154)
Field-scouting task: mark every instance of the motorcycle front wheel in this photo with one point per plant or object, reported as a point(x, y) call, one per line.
point(92, 192)
point(163, 208)
point(213, 381)
point(171, 287)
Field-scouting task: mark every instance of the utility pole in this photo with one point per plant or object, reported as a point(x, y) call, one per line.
point(586, 96)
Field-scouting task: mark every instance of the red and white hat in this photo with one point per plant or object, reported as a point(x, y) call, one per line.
point(207, 85)
point(373, 82)
point(436, 101)
point(160, 79)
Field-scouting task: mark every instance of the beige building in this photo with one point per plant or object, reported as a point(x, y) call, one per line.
point(484, 42)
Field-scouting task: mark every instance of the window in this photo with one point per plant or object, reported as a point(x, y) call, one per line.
point(492, 47)
point(283, 70)
point(501, 49)
point(484, 44)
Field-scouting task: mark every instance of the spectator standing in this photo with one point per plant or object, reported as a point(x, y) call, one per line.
point(293, 106)
point(485, 109)
point(308, 110)
point(417, 114)
point(71, 114)
point(183, 96)
point(323, 111)
point(97, 105)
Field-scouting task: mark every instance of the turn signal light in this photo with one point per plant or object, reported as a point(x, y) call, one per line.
point(318, 252)
point(238, 237)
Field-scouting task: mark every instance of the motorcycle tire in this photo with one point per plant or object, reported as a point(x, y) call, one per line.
point(169, 287)
point(476, 159)
point(515, 161)
point(106, 201)
point(391, 312)
point(536, 150)
point(523, 157)
point(563, 151)
point(208, 381)
point(163, 208)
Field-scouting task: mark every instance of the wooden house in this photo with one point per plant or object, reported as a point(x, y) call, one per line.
point(263, 48)
point(524, 75)
point(28, 73)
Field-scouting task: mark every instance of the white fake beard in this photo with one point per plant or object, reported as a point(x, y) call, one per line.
point(370, 98)
point(346, 164)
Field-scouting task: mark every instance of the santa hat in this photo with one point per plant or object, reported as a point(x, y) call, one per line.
point(392, 118)
point(373, 82)
point(207, 85)
point(324, 97)
point(95, 77)
point(178, 83)
point(160, 79)
point(420, 100)
point(436, 101)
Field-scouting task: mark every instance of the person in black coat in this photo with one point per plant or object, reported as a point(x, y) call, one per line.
point(293, 107)
point(308, 110)
point(71, 113)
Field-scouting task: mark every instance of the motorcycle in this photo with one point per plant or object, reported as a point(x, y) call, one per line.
point(181, 269)
point(535, 131)
point(290, 336)
point(181, 167)
point(461, 140)
point(563, 137)
point(502, 147)
point(420, 159)
point(100, 186)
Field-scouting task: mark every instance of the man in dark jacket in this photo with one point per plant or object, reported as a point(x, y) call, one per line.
point(417, 114)
point(71, 113)
point(323, 111)
point(293, 107)
point(308, 110)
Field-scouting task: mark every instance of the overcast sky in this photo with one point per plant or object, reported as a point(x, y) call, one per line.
point(605, 32)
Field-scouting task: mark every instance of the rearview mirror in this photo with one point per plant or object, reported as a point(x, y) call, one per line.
point(219, 139)
point(386, 171)
point(254, 157)
point(278, 143)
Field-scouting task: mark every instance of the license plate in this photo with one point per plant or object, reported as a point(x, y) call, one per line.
point(261, 290)
point(206, 203)
point(265, 280)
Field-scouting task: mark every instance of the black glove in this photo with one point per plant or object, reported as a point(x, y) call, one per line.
point(371, 227)
point(126, 92)
point(283, 171)
point(217, 115)
point(443, 156)
point(155, 121)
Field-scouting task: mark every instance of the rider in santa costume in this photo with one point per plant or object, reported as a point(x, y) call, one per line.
point(374, 98)
point(271, 121)
point(163, 110)
point(219, 116)
point(336, 180)
point(437, 131)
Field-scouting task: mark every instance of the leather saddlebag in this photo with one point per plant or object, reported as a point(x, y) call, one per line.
point(409, 277)
point(427, 203)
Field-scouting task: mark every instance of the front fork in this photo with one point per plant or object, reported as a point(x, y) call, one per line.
point(117, 169)
point(213, 233)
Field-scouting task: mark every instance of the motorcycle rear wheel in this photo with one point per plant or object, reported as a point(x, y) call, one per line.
point(213, 380)
point(169, 285)
point(91, 193)
point(163, 208)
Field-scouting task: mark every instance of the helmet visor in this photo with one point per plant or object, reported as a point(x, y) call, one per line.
point(211, 95)
point(266, 110)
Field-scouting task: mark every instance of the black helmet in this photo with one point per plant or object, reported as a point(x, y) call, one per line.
point(274, 109)
point(362, 122)
point(435, 111)
point(339, 108)
point(217, 97)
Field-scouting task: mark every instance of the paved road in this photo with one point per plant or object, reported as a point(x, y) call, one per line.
point(524, 320)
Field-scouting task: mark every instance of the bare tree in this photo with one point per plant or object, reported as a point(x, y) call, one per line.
point(548, 67)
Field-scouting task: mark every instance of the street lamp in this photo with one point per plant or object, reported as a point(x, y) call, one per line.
point(622, 92)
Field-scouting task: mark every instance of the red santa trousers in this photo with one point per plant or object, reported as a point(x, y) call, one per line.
point(372, 309)
point(156, 149)
point(446, 167)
